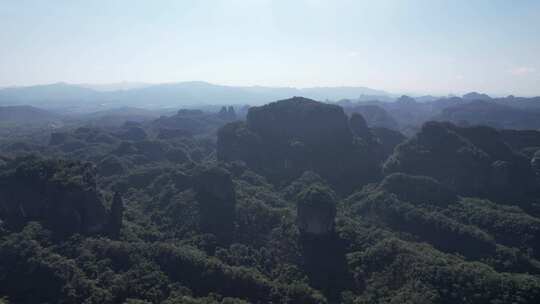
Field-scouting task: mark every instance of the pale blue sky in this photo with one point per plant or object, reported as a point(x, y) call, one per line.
point(421, 46)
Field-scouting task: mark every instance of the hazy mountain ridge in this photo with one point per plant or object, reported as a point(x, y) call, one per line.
point(404, 113)
point(472, 108)
point(62, 95)
point(482, 112)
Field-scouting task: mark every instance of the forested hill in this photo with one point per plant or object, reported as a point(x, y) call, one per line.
point(301, 202)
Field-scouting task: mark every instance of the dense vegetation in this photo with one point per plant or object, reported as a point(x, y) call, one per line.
point(301, 202)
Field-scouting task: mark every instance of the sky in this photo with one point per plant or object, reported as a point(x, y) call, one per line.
point(407, 46)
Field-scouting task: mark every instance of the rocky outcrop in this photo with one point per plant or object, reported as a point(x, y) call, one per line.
point(227, 113)
point(316, 124)
point(283, 139)
point(61, 195)
point(316, 211)
point(322, 249)
point(116, 215)
point(217, 202)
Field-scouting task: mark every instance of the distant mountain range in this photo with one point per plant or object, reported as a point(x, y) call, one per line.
point(85, 98)
point(116, 103)
point(489, 113)
point(407, 113)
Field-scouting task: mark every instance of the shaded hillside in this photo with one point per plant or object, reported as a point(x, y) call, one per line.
point(27, 115)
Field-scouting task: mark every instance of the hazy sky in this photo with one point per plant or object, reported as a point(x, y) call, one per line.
point(422, 46)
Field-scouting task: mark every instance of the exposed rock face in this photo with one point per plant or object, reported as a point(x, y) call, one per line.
point(227, 113)
point(62, 195)
point(418, 189)
point(116, 215)
point(283, 139)
point(359, 127)
point(322, 249)
point(217, 201)
point(316, 211)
